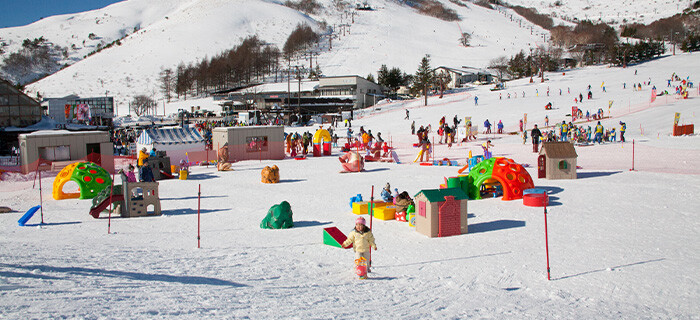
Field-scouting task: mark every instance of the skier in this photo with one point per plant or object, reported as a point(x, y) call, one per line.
point(476, 100)
point(406, 115)
point(623, 128)
point(361, 239)
point(500, 127)
point(599, 133)
point(487, 125)
point(413, 127)
point(564, 130)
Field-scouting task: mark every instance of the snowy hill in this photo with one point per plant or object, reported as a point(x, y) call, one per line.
point(614, 13)
point(187, 31)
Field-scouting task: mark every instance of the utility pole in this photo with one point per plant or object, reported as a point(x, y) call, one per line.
point(299, 94)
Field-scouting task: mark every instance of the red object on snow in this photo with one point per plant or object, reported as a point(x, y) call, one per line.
point(535, 199)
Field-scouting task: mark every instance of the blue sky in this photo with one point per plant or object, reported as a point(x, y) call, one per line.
point(22, 12)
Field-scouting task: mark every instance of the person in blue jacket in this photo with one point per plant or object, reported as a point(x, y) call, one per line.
point(500, 126)
point(487, 125)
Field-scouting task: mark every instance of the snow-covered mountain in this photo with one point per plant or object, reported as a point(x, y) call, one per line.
point(158, 34)
point(170, 32)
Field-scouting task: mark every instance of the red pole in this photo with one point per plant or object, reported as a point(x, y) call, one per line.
point(632, 155)
point(199, 198)
point(546, 240)
point(111, 194)
point(371, 215)
point(41, 200)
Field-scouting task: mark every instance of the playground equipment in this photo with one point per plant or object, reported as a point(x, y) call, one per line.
point(352, 161)
point(90, 178)
point(160, 165)
point(270, 174)
point(441, 212)
point(322, 143)
point(354, 199)
point(278, 217)
point(471, 163)
point(132, 199)
point(28, 215)
point(334, 237)
point(512, 177)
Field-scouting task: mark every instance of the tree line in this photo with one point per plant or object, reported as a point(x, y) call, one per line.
point(249, 62)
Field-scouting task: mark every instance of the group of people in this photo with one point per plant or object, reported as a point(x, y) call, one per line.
point(577, 134)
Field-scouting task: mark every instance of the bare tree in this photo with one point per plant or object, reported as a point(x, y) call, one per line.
point(142, 105)
point(500, 66)
point(167, 81)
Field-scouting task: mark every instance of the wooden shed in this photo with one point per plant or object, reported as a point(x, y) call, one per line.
point(441, 212)
point(251, 142)
point(557, 160)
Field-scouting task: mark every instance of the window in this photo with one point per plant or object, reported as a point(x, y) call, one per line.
point(256, 144)
point(58, 153)
point(563, 165)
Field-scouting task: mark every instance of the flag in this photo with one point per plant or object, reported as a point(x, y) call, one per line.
point(653, 94)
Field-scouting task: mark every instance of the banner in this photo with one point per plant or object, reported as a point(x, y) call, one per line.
point(574, 113)
point(524, 122)
point(676, 119)
point(653, 94)
point(67, 111)
point(461, 133)
point(83, 112)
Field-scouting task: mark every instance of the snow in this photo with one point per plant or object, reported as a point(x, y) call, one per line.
point(622, 244)
point(187, 31)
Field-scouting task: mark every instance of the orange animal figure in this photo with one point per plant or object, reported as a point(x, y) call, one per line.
point(222, 159)
point(270, 174)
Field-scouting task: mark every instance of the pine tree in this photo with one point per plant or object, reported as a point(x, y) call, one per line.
point(424, 76)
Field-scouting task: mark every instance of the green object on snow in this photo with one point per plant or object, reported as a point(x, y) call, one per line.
point(278, 217)
point(91, 178)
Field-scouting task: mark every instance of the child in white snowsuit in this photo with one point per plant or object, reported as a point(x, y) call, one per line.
point(361, 239)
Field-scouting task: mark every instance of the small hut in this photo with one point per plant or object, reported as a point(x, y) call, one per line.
point(557, 160)
point(251, 142)
point(441, 212)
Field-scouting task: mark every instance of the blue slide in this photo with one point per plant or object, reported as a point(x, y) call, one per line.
point(30, 213)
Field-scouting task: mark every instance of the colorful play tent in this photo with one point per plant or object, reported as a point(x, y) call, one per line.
point(174, 141)
point(322, 143)
point(90, 177)
point(513, 178)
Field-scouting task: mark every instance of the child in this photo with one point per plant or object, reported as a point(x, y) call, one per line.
point(130, 175)
point(386, 193)
point(361, 239)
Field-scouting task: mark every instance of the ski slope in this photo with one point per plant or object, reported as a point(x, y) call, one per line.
point(622, 244)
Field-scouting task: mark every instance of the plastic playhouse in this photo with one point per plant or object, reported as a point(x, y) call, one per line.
point(90, 177)
point(135, 202)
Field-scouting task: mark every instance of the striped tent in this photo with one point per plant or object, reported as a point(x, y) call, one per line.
point(170, 136)
point(176, 142)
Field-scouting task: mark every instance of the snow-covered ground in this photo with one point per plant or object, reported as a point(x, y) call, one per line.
point(623, 244)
